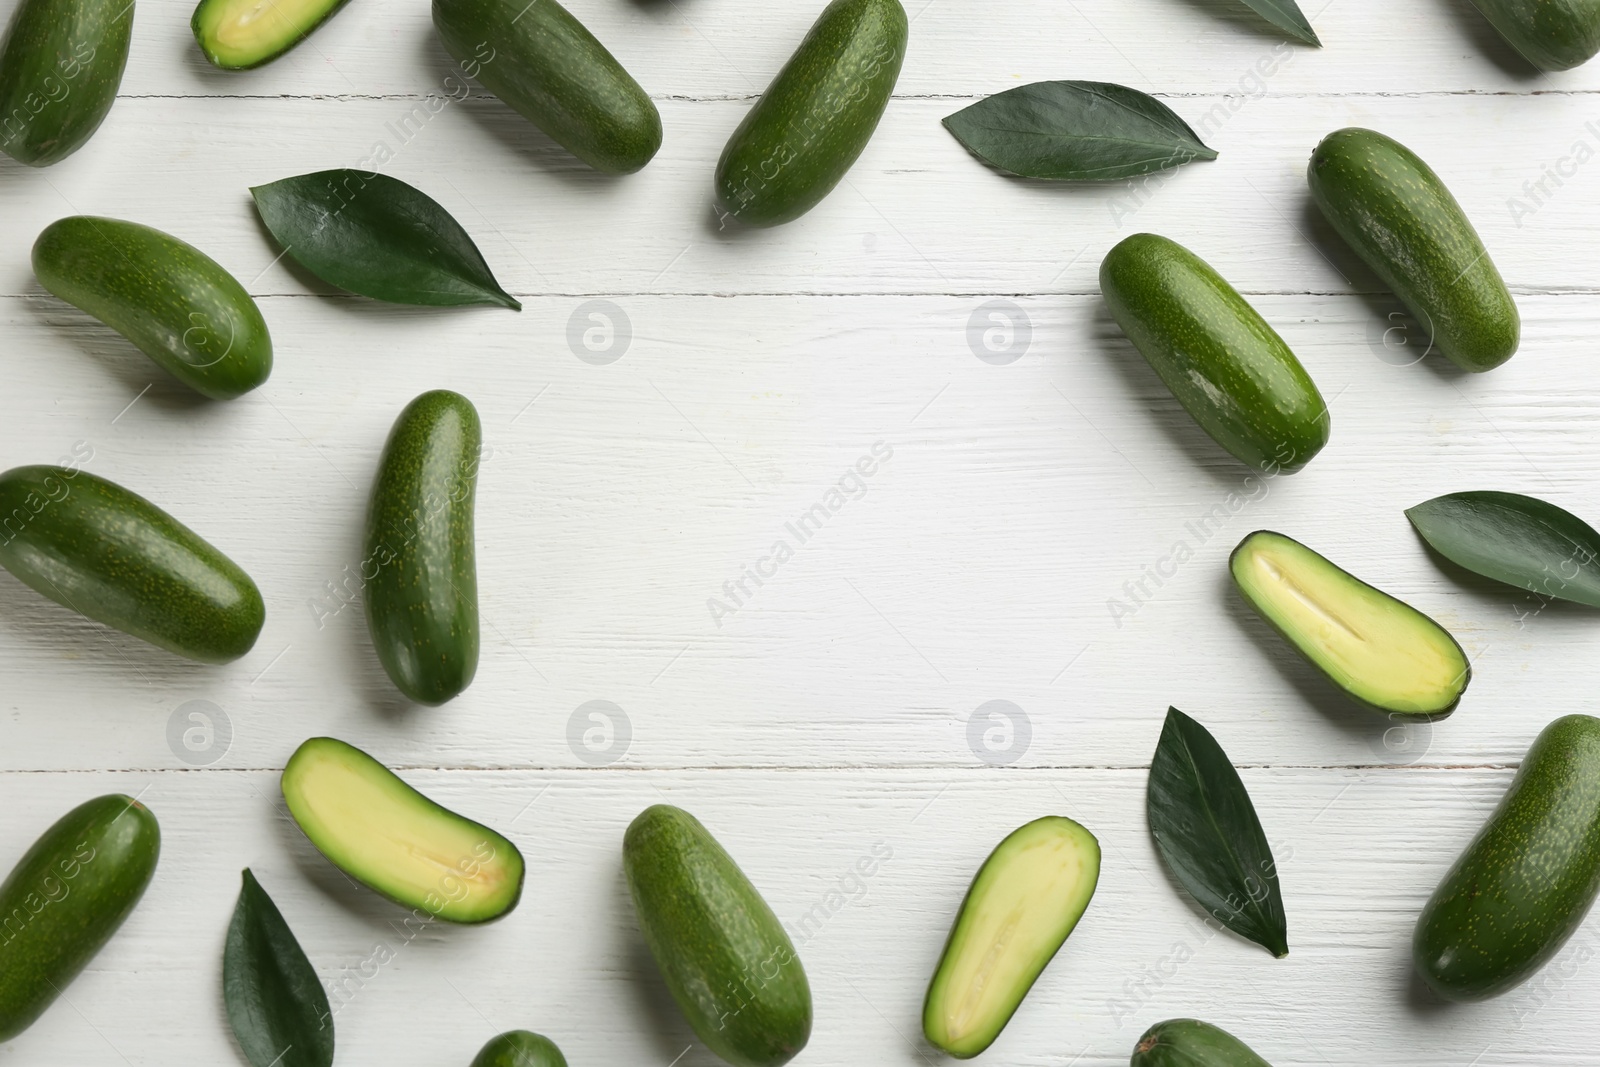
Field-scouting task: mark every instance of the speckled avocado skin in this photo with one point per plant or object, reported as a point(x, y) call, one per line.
point(817, 116)
point(175, 303)
point(1550, 34)
point(65, 899)
point(552, 71)
point(725, 957)
point(1399, 217)
point(422, 600)
point(110, 554)
point(1527, 880)
point(1192, 1043)
point(1227, 367)
point(60, 67)
point(520, 1048)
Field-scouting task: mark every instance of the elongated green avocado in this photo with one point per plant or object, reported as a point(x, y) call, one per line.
point(240, 34)
point(175, 303)
point(1523, 886)
point(725, 957)
point(815, 119)
point(109, 554)
point(519, 1048)
point(552, 71)
point(422, 602)
point(392, 839)
point(1192, 1043)
point(1382, 653)
point(60, 67)
point(1550, 34)
point(1025, 901)
point(1227, 367)
point(66, 897)
point(1394, 211)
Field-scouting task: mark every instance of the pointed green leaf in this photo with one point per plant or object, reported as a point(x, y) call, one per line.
point(276, 1005)
point(1287, 16)
point(1519, 540)
point(1209, 837)
point(1076, 131)
point(377, 236)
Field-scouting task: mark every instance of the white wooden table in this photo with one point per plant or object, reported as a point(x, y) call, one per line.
point(744, 376)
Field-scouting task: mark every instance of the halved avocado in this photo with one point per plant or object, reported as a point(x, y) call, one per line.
point(391, 838)
point(1025, 900)
point(1383, 653)
point(240, 34)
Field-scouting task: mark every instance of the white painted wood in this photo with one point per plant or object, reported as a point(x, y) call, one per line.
point(833, 709)
point(1359, 852)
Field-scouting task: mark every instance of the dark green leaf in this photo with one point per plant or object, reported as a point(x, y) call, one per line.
point(1287, 16)
point(1519, 540)
point(379, 237)
point(276, 1005)
point(1076, 131)
point(1209, 837)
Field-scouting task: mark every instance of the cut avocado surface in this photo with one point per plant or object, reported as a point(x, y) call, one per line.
point(1025, 900)
point(1383, 653)
point(239, 34)
point(388, 836)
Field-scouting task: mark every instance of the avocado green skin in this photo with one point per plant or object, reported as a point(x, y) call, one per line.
point(1550, 34)
point(111, 555)
point(66, 897)
point(725, 957)
point(552, 71)
point(422, 604)
point(1227, 367)
point(817, 116)
point(202, 23)
point(1525, 883)
point(175, 303)
point(520, 1048)
point(1394, 211)
point(1192, 1043)
point(60, 68)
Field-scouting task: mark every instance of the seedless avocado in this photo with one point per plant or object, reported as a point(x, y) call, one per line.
point(422, 600)
point(66, 897)
point(1192, 1043)
point(60, 67)
point(110, 554)
point(817, 116)
point(1526, 881)
point(552, 71)
point(392, 839)
point(519, 1048)
point(1550, 34)
point(175, 303)
point(1227, 367)
point(1026, 899)
point(722, 952)
point(240, 34)
point(1381, 652)
point(1394, 211)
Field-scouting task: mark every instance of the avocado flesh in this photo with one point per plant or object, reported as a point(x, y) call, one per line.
point(1383, 653)
point(1025, 900)
point(385, 834)
point(240, 34)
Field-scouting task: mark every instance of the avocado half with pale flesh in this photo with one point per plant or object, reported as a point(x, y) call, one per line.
point(1027, 897)
point(1383, 653)
point(391, 838)
point(240, 34)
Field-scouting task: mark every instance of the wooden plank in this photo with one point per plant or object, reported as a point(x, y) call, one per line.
point(1020, 544)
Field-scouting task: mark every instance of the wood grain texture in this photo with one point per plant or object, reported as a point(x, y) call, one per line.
point(671, 403)
point(570, 963)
